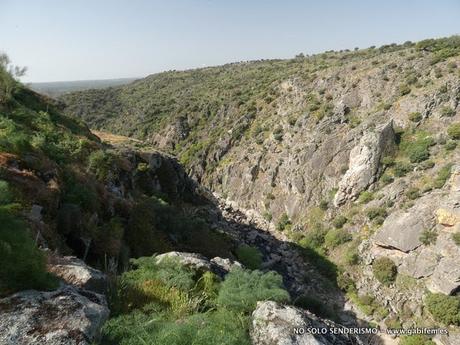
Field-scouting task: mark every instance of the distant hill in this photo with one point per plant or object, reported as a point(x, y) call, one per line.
point(58, 88)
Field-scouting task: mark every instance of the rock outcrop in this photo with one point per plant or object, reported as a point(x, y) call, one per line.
point(275, 324)
point(364, 162)
point(402, 229)
point(67, 316)
point(217, 265)
point(74, 271)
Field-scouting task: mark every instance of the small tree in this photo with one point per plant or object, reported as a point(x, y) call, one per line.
point(8, 78)
point(385, 270)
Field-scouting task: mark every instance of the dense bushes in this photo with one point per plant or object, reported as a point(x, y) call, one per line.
point(241, 290)
point(445, 309)
point(385, 270)
point(166, 303)
point(336, 237)
point(22, 265)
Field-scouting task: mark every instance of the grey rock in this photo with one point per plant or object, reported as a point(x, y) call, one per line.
point(274, 324)
point(402, 229)
point(199, 262)
point(364, 162)
point(420, 264)
point(446, 277)
point(67, 316)
point(74, 271)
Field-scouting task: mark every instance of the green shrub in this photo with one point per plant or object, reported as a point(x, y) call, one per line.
point(454, 131)
point(404, 89)
point(267, 216)
point(388, 161)
point(339, 221)
point(401, 169)
point(456, 238)
point(445, 309)
point(413, 193)
point(142, 327)
point(336, 237)
point(442, 176)
point(249, 256)
point(428, 237)
point(314, 238)
point(451, 145)
point(447, 112)
point(324, 205)
point(375, 212)
point(384, 270)
point(416, 145)
point(242, 289)
point(101, 163)
point(5, 193)
point(386, 179)
point(351, 255)
point(416, 340)
point(22, 264)
point(365, 197)
point(415, 116)
point(426, 165)
point(284, 223)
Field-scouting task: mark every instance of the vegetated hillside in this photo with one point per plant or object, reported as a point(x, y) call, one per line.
point(64, 192)
point(83, 197)
point(57, 88)
point(353, 154)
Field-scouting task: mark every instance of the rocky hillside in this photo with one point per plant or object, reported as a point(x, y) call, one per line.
point(106, 240)
point(350, 155)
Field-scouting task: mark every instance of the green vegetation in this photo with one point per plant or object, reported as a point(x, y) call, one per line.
point(284, 223)
point(416, 340)
point(249, 256)
point(164, 302)
point(385, 270)
point(445, 309)
point(22, 264)
point(415, 145)
point(336, 237)
point(339, 221)
point(376, 212)
point(442, 176)
point(242, 289)
point(415, 117)
point(367, 196)
point(454, 131)
point(456, 238)
point(428, 237)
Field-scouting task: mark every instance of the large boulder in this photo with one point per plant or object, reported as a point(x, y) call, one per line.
point(403, 228)
point(199, 262)
point(364, 162)
point(74, 271)
point(67, 316)
point(275, 324)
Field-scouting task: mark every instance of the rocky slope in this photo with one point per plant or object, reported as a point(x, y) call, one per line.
point(351, 155)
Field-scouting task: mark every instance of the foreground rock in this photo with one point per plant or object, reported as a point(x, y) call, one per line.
point(74, 271)
point(67, 316)
point(365, 162)
point(274, 324)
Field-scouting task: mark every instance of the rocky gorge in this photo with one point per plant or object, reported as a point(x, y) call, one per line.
point(327, 186)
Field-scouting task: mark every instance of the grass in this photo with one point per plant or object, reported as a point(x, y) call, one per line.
point(249, 256)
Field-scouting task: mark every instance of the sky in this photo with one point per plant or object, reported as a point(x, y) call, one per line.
point(62, 40)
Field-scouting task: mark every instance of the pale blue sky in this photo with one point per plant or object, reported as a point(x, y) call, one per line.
point(97, 39)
